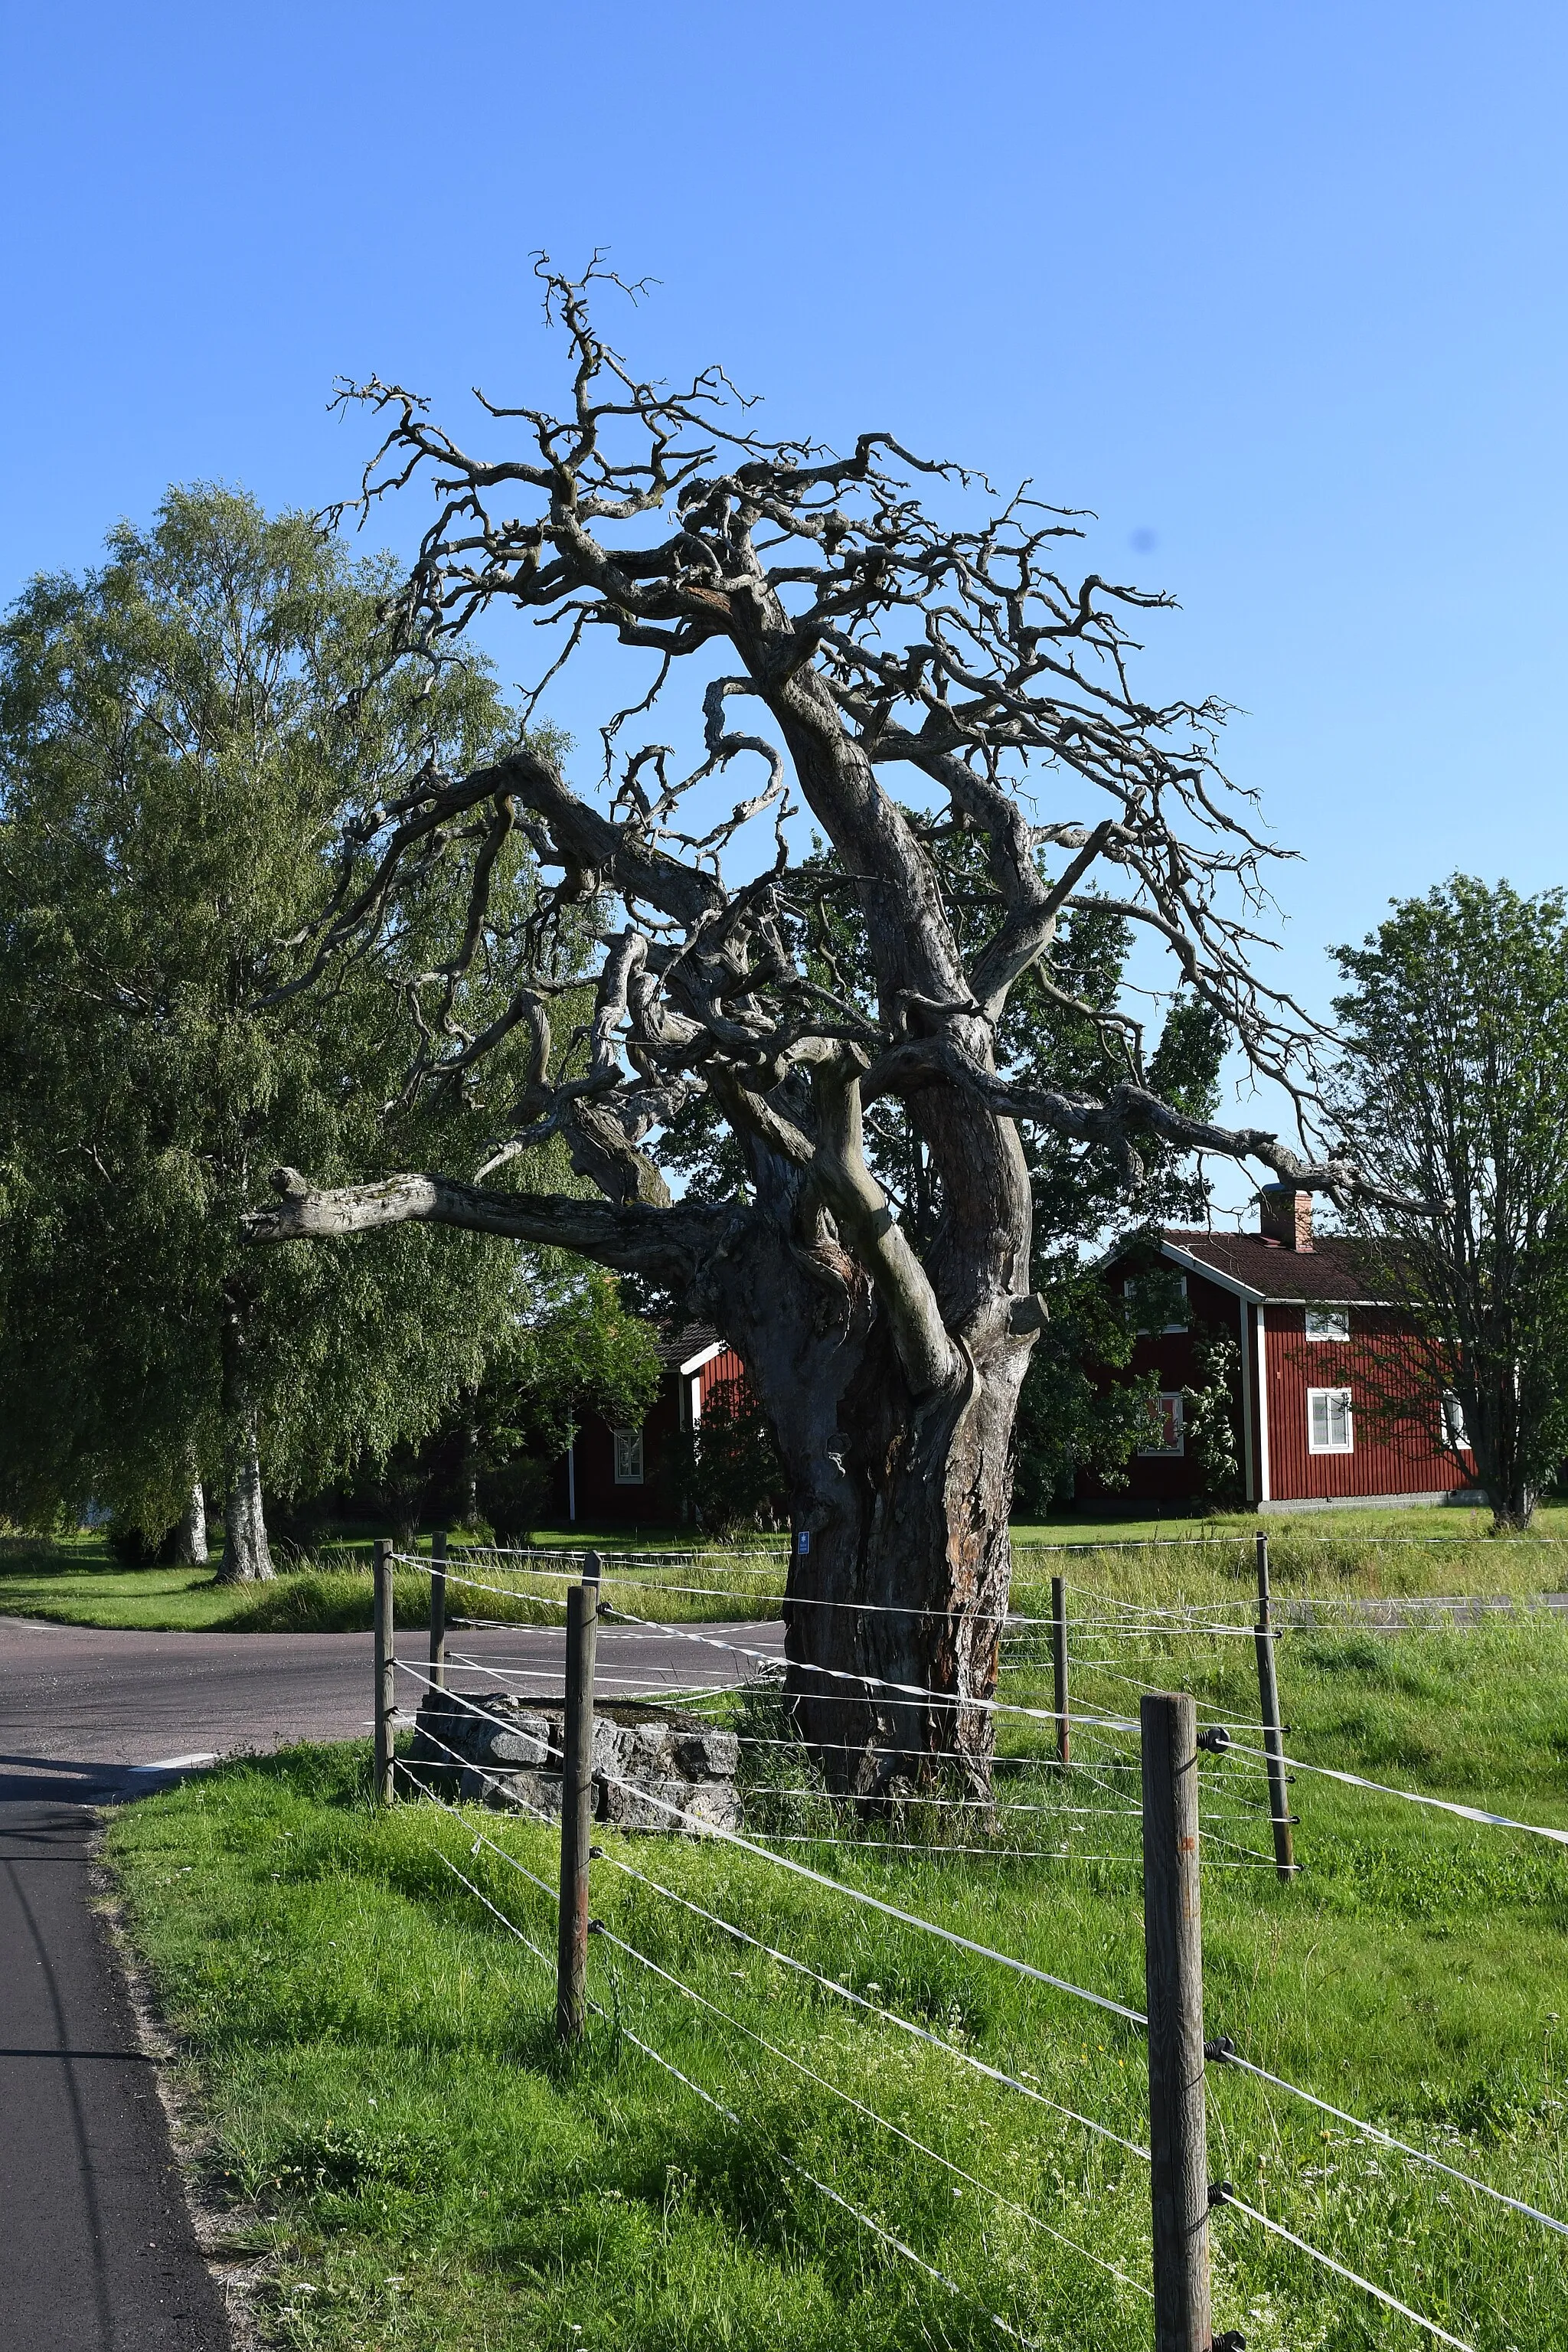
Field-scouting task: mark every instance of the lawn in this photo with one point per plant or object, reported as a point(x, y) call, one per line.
point(391, 2120)
point(77, 1581)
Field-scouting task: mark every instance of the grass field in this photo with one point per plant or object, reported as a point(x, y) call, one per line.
point(77, 1582)
point(392, 2119)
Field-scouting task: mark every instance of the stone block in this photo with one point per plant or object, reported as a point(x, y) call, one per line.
point(707, 1755)
point(628, 1807)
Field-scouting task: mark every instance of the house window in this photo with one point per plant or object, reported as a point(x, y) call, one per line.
point(1129, 1291)
point(1454, 1434)
point(1329, 1421)
point(628, 1457)
point(1328, 1322)
point(1166, 1418)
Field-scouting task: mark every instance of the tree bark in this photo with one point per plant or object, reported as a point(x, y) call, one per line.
point(901, 1495)
point(247, 1557)
point(193, 1537)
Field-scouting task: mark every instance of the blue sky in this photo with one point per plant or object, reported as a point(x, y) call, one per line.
point(1277, 290)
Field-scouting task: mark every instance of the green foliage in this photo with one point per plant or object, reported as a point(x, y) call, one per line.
point(1209, 1413)
point(1074, 1414)
point(183, 735)
point(726, 1474)
point(1454, 1090)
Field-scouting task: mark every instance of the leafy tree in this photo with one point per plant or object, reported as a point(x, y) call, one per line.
point(181, 733)
point(572, 1349)
point(727, 1473)
point(1212, 1441)
point(1455, 1085)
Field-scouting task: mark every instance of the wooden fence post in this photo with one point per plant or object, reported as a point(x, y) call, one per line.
point(1273, 1737)
point(438, 1613)
point(1059, 1665)
point(1172, 1949)
point(385, 1669)
point(576, 1808)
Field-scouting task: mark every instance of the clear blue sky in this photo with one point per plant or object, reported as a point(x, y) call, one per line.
point(1276, 289)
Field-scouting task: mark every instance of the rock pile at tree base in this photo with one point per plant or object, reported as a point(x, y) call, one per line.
point(493, 1747)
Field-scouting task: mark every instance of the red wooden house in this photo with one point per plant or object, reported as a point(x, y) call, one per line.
point(617, 1474)
point(1323, 1367)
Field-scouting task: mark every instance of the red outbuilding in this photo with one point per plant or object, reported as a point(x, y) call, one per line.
point(1331, 1403)
point(618, 1475)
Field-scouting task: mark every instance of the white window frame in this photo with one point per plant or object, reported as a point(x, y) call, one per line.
point(1327, 1395)
point(1337, 1318)
point(1456, 1437)
point(1146, 1331)
point(628, 1457)
point(1172, 1397)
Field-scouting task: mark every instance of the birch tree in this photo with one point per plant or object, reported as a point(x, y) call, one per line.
point(182, 733)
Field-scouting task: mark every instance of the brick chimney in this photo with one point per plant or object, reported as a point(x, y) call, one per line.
point(1285, 1216)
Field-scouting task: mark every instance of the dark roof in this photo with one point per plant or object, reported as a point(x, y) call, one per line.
point(1334, 1270)
point(678, 1347)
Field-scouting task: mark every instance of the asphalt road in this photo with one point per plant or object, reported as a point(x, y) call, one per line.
point(97, 2253)
point(85, 1713)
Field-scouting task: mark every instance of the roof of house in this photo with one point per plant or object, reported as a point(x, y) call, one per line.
point(1334, 1270)
point(677, 1347)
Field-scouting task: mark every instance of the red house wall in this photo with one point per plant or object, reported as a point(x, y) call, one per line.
point(599, 1498)
point(1392, 1453)
point(1173, 1477)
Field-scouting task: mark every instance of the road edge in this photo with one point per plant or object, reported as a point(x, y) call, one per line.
point(238, 2278)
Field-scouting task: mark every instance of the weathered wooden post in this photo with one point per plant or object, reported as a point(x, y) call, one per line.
point(385, 1669)
point(576, 1805)
point(1173, 1954)
point(438, 1613)
point(1273, 1736)
point(1059, 1665)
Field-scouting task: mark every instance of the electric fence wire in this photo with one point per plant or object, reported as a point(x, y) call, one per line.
point(792, 1601)
point(866, 1683)
point(836, 2091)
point(1386, 2139)
point(792, 2163)
point(1410, 1796)
point(1371, 2131)
point(1227, 2197)
point(888, 2016)
point(784, 1861)
point(1229, 2057)
point(875, 1902)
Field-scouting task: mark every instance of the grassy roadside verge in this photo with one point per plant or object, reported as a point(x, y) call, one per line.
point(1368, 1554)
point(390, 2115)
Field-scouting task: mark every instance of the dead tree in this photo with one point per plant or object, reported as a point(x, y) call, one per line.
point(895, 654)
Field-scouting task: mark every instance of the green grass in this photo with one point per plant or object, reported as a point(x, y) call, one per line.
point(77, 1582)
point(392, 2118)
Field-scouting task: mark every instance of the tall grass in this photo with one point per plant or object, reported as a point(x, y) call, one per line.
point(392, 2119)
